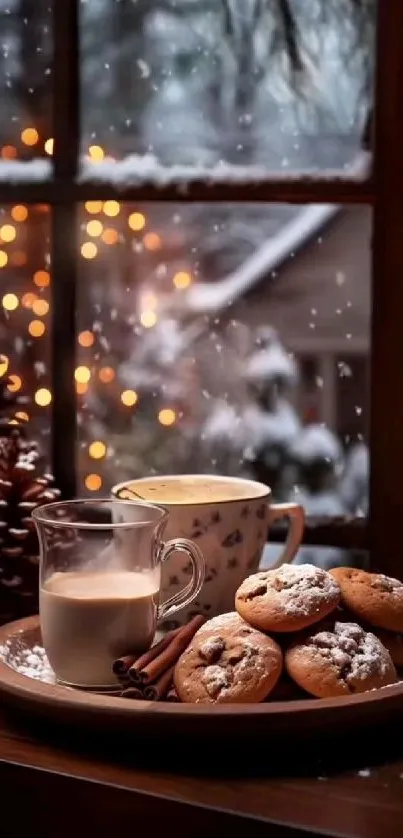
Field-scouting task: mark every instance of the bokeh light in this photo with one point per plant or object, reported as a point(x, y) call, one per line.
point(111, 208)
point(82, 374)
point(29, 136)
point(129, 398)
point(43, 397)
point(42, 279)
point(94, 228)
point(86, 338)
point(28, 299)
point(152, 241)
point(19, 213)
point(14, 383)
point(81, 388)
point(36, 328)
point(110, 236)
point(182, 279)
point(167, 417)
point(97, 450)
point(96, 153)
point(3, 258)
point(89, 250)
point(148, 319)
point(9, 152)
point(22, 416)
point(10, 302)
point(106, 374)
point(50, 146)
point(93, 482)
point(40, 307)
point(8, 232)
point(4, 362)
point(136, 221)
point(93, 207)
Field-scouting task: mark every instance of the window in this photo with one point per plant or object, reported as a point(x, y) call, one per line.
point(146, 147)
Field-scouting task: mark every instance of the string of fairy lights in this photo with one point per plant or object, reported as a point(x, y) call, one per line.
point(103, 226)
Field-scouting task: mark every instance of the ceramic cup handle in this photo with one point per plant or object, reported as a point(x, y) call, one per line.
point(190, 591)
point(296, 516)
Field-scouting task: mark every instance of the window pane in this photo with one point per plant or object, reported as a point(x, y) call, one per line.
point(219, 339)
point(25, 79)
point(25, 312)
point(285, 86)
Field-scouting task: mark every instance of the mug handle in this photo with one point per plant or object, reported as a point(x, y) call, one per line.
point(190, 591)
point(296, 515)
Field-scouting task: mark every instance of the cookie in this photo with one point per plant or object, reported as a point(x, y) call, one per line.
point(393, 643)
point(228, 662)
point(289, 598)
point(373, 597)
point(339, 659)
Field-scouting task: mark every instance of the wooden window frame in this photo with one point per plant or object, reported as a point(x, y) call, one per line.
point(383, 190)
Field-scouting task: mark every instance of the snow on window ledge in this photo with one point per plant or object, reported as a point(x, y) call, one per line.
point(30, 171)
point(136, 170)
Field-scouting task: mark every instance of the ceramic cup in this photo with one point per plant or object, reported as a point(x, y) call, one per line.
point(229, 520)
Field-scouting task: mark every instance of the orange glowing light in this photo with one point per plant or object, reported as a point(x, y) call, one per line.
point(49, 146)
point(167, 417)
point(36, 328)
point(94, 228)
point(19, 213)
point(111, 208)
point(82, 375)
point(86, 338)
point(129, 398)
point(110, 236)
point(136, 221)
point(4, 362)
point(106, 374)
point(93, 482)
point(10, 302)
point(81, 388)
point(93, 207)
point(152, 241)
point(182, 279)
point(97, 450)
point(148, 319)
point(89, 250)
point(42, 279)
point(3, 258)
point(28, 299)
point(29, 136)
point(24, 417)
point(8, 152)
point(40, 307)
point(43, 397)
point(96, 153)
point(8, 232)
point(14, 383)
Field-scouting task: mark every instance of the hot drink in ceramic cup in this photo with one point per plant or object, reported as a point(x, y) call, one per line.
point(100, 579)
point(229, 518)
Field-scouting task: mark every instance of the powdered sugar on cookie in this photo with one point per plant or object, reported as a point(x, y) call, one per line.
point(299, 589)
point(358, 654)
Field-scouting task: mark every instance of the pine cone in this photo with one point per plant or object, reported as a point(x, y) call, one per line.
point(23, 486)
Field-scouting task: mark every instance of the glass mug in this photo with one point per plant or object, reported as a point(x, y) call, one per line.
point(100, 579)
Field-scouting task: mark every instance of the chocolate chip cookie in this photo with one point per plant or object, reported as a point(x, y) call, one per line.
point(373, 597)
point(339, 659)
point(228, 662)
point(289, 598)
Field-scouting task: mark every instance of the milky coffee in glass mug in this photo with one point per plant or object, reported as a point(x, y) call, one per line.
point(228, 518)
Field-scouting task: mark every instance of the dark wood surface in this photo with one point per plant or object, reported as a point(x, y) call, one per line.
point(55, 787)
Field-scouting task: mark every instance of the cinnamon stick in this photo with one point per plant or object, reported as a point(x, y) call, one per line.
point(121, 666)
point(160, 688)
point(153, 670)
point(172, 696)
point(132, 692)
point(134, 672)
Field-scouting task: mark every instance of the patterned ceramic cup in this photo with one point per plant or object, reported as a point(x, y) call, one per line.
point(228, 517)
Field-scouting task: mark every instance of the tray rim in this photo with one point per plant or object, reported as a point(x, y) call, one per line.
point(30, 690)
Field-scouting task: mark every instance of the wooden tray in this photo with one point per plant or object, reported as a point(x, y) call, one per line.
point(279, 722)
